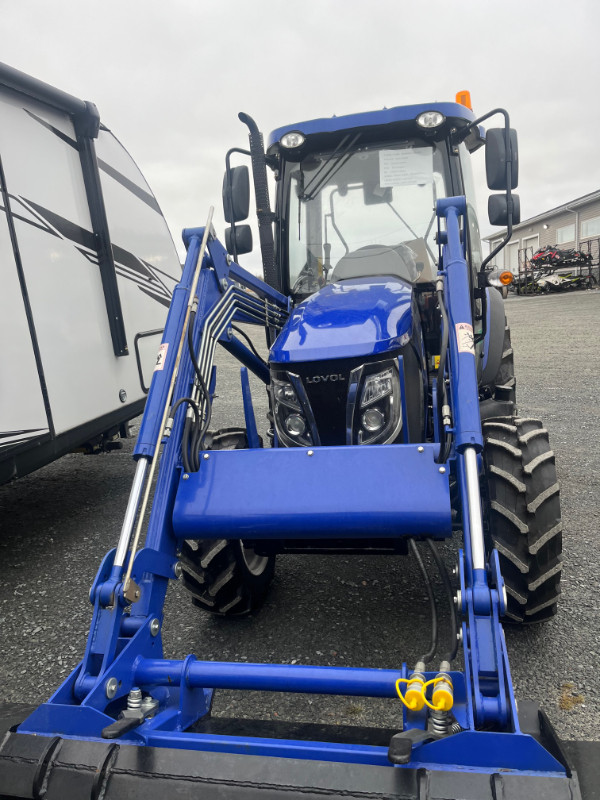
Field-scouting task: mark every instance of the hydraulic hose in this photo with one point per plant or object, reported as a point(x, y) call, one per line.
point(186, 430)
point(451, 655)
point(429, 588)
point(185, 445)
point(441, 385)
point(250, 343)
point(199, 430)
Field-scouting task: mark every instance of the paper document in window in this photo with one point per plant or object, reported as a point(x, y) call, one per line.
point(408, 167)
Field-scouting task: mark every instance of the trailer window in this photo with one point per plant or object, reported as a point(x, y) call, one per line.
point(340, 203)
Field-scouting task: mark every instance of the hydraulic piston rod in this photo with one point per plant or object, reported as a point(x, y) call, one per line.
point(474, 500)
point(131, 511)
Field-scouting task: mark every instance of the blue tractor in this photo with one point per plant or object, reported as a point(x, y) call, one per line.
point(357, 251)
point(392, 404)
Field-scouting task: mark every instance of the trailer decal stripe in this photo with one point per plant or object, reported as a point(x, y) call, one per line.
point(165, 301)
point(128, 184)
point(125, 261)
point(67, 229)
point(44, 228)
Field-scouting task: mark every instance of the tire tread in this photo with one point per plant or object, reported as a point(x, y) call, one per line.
point(522, 504)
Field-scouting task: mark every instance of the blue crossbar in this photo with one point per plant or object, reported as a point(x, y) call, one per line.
point(337, 492)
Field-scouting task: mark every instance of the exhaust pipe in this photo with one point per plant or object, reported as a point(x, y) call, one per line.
point(263, 206)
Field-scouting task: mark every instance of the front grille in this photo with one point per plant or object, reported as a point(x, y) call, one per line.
point(328, 399)
point(326, 387)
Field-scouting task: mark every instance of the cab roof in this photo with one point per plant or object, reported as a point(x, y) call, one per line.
point(386, 122)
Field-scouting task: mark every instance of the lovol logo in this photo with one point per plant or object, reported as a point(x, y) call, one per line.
point(326, 378)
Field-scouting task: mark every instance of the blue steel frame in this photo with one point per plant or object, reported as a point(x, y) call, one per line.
point(124, 648)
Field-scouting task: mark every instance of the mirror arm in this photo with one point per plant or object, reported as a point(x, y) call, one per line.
point(229, 197)
point(460, 136)
point(504, 242)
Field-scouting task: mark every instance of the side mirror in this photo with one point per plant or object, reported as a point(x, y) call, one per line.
point(242, 243)
point(236, 195)
point(498, 209)
point(495, 159)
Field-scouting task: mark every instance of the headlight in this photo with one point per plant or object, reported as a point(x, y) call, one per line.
point(376, 386)
point(373, 420)
point(375, 409)
point(286, 394)
point(293, 418)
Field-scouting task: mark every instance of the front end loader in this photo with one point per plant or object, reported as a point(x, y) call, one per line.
point(392, 404)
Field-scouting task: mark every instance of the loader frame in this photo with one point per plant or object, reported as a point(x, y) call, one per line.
point(490, 755)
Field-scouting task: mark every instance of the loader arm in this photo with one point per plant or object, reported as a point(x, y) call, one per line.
point(127, 720)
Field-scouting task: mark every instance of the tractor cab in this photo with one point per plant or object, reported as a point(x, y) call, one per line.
point(357, 247)
point(357, 195)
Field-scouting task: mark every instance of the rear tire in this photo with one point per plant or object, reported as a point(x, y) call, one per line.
point(522, 504)
point(225, 576)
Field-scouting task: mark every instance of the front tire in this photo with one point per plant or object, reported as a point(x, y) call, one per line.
point(522, 504)
point(505, 384)
point(226, 576)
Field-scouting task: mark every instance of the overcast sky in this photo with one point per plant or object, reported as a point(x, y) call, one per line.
point(170, 77)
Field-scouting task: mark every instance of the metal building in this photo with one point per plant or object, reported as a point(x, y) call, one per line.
point(575, 224)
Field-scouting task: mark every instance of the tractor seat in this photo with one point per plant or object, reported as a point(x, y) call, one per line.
point(376, 259)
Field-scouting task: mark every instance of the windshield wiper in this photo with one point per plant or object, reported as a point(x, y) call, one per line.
point(319, 179)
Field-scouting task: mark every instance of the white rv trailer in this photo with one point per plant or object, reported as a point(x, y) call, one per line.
point(87, 268)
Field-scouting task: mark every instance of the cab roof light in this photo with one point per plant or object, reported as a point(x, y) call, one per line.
point(464, 99)
point(291, 140)
point(430, 119)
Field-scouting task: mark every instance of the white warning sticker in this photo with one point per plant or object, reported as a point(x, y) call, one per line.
point(465, 338)
point(410, 167)
point(162, 356)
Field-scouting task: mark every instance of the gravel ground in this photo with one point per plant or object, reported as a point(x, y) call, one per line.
point(58, 523)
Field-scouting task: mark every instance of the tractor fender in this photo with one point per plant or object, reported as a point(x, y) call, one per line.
point(494, 337)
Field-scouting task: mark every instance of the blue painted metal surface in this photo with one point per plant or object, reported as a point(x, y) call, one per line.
point(272, 677)
point(354, 491)
point(385, 116)
point(485, 650)
point(249, 418)
point(159, 387)
point(245, 356)
point(464, 387)
point(358, 317)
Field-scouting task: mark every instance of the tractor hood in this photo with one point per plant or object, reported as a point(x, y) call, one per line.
point(357, 317)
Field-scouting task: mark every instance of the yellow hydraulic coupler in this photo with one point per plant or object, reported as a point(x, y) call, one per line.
point(443, 691)
point(414, 696)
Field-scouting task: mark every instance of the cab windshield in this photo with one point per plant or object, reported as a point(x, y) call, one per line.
point(370, 210)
